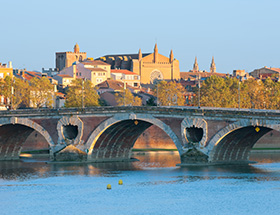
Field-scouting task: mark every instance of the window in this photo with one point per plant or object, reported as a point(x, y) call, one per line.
point(135, 84)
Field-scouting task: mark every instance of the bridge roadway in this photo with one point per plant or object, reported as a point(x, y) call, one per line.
point(100, 134)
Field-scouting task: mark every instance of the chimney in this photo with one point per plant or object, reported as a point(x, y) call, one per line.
point(10, 64)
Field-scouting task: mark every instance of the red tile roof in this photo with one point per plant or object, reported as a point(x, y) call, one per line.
point(97, 69)
point(274, 69)
point(123, 71)
point(186, 75)
point(64, 76)
point(95, 62)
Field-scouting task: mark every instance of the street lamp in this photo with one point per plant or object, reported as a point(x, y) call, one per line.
point(124, 88)
point(12, 93)
point(157, 95)
point(83, 105)
point(239, 94)
point(198, 92)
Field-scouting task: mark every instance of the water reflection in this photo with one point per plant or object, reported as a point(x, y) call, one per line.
point(159, 162)
point(262, 157)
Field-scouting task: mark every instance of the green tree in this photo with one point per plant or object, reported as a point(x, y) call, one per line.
point(169, 93)
point(16, 91)
point(126, 98)
point(41, 92)
point(81, 93)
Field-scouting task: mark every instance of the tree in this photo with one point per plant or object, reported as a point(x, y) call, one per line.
point(16, 91)
point(81, 93)
point(41, 92)
point(169, 93)
point(126, 98)
point(224, 92)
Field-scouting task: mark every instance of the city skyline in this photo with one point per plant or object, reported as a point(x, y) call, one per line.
point(239, 34)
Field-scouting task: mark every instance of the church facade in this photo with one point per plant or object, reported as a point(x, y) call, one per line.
point(66, 59)
point(149, 66)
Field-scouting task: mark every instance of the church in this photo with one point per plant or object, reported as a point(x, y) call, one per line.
point(66, 59)
point(149, 66)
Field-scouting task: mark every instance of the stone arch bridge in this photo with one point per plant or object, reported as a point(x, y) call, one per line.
point(201, 135)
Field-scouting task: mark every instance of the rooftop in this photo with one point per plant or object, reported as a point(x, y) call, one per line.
point(97, 69)
point(64, 76)
point(95, 62)
point(123, 71)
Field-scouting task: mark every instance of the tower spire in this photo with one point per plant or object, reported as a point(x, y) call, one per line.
point(155, 53)
point(195, 65)
point(76, 48)
point(213, 66)
point(139, 55)
point(171, 56)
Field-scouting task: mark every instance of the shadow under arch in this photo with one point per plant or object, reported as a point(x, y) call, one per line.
point(114, 138)
point(235, 145)
point(14, 132)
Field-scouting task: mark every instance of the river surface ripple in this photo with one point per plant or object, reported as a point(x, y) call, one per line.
point(153, 185)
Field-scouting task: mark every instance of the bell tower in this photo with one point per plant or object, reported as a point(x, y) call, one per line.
point(76, 48)
point(195, 65)
point(213, 66)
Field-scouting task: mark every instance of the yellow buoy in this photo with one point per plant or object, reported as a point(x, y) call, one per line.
point(135, 122)
point(120, 182)
point(109, 187)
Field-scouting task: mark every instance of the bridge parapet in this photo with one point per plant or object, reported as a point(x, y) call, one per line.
point(201, 135)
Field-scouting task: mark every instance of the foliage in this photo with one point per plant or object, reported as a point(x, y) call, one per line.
point(170, 93)
point(126, 98)
point(16, 91)
point(224, 92)
point(81, 93)
point(41, 92)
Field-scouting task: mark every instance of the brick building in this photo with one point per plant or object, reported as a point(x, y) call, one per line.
point(66, 59)
point(149, 66)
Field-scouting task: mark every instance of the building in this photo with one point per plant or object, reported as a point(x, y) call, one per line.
point(195, 65)
point(63, 80)
point(126, 76)
point(149, 66)
point(239, 73)
point(66, 59)
point(213, 66)
point(108, 89)
point(50, 72)
point(6, 70)
point(94, 70)
point(266, 72)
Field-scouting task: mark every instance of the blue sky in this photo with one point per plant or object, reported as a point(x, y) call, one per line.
point(240, 34)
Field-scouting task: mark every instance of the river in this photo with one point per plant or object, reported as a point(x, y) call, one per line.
point(153, 185)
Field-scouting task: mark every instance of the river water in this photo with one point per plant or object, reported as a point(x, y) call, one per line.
point(153, 185)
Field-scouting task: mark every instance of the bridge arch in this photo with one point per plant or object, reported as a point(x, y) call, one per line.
point(14, 131)
point(234, 142)
point(115, 137)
